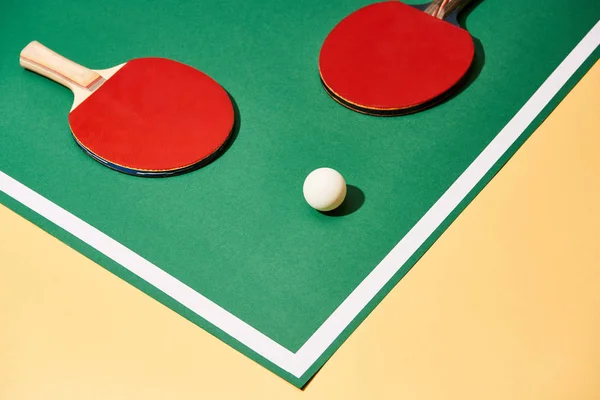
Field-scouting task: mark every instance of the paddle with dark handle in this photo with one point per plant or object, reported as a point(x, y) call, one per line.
point(390, 58)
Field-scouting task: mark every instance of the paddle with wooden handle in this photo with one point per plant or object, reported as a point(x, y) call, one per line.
point(145, 117)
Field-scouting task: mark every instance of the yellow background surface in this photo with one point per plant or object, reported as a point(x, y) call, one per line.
point(506, 305)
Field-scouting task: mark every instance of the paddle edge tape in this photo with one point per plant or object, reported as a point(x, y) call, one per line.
point(160, 173)
point(396, 112)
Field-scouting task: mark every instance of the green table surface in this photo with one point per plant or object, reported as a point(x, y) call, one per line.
point(238, 230)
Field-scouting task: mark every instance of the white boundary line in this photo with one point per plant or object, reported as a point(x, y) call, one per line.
point(149, 272)
point(298, 363)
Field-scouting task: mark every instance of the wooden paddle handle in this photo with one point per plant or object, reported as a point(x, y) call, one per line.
point(444, 8)
point(40, 59)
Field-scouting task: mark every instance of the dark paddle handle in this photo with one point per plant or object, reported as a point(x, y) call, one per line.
point(444, 8)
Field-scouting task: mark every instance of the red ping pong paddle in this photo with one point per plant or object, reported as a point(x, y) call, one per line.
point(391, 58)
point(146, 117)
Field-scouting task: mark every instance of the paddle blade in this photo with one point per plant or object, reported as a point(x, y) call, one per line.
point(154, 115)
point(389, 57)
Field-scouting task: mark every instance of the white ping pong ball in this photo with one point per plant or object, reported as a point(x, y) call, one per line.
point(324, 189)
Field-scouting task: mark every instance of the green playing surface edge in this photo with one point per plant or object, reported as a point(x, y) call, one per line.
point(238, 230)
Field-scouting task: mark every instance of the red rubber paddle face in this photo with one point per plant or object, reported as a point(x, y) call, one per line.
point(390, 57)
point(154, 115)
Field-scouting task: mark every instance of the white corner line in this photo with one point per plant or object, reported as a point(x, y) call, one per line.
point(337, 322)
point(298, 363)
